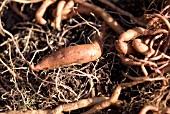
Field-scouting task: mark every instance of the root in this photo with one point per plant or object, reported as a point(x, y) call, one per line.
point(68, 88)
point(122, 12)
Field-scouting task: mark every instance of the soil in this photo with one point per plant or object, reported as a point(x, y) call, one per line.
point(20, 89)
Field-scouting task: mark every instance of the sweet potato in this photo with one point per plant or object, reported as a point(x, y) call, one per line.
point(72, 55)
point(140, 47)
point(131, 34)
point(124, 48)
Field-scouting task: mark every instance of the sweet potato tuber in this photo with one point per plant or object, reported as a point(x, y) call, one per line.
point(140, 47)
point(131, 34)
point(72, 55)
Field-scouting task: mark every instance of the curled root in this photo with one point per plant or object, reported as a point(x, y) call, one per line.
point(155, 110)
point(57, 21)
point(68, 7)
point(80, 9)
point(41, 10)
point(63, 9)
point(147, 108)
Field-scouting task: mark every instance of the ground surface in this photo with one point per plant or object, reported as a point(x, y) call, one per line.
point(21, 89)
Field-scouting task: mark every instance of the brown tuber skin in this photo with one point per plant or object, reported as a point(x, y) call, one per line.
point(72, 55)
point(140, 47)
point(122, 45)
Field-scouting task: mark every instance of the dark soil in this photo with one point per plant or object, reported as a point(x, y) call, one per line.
point(22, 90)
